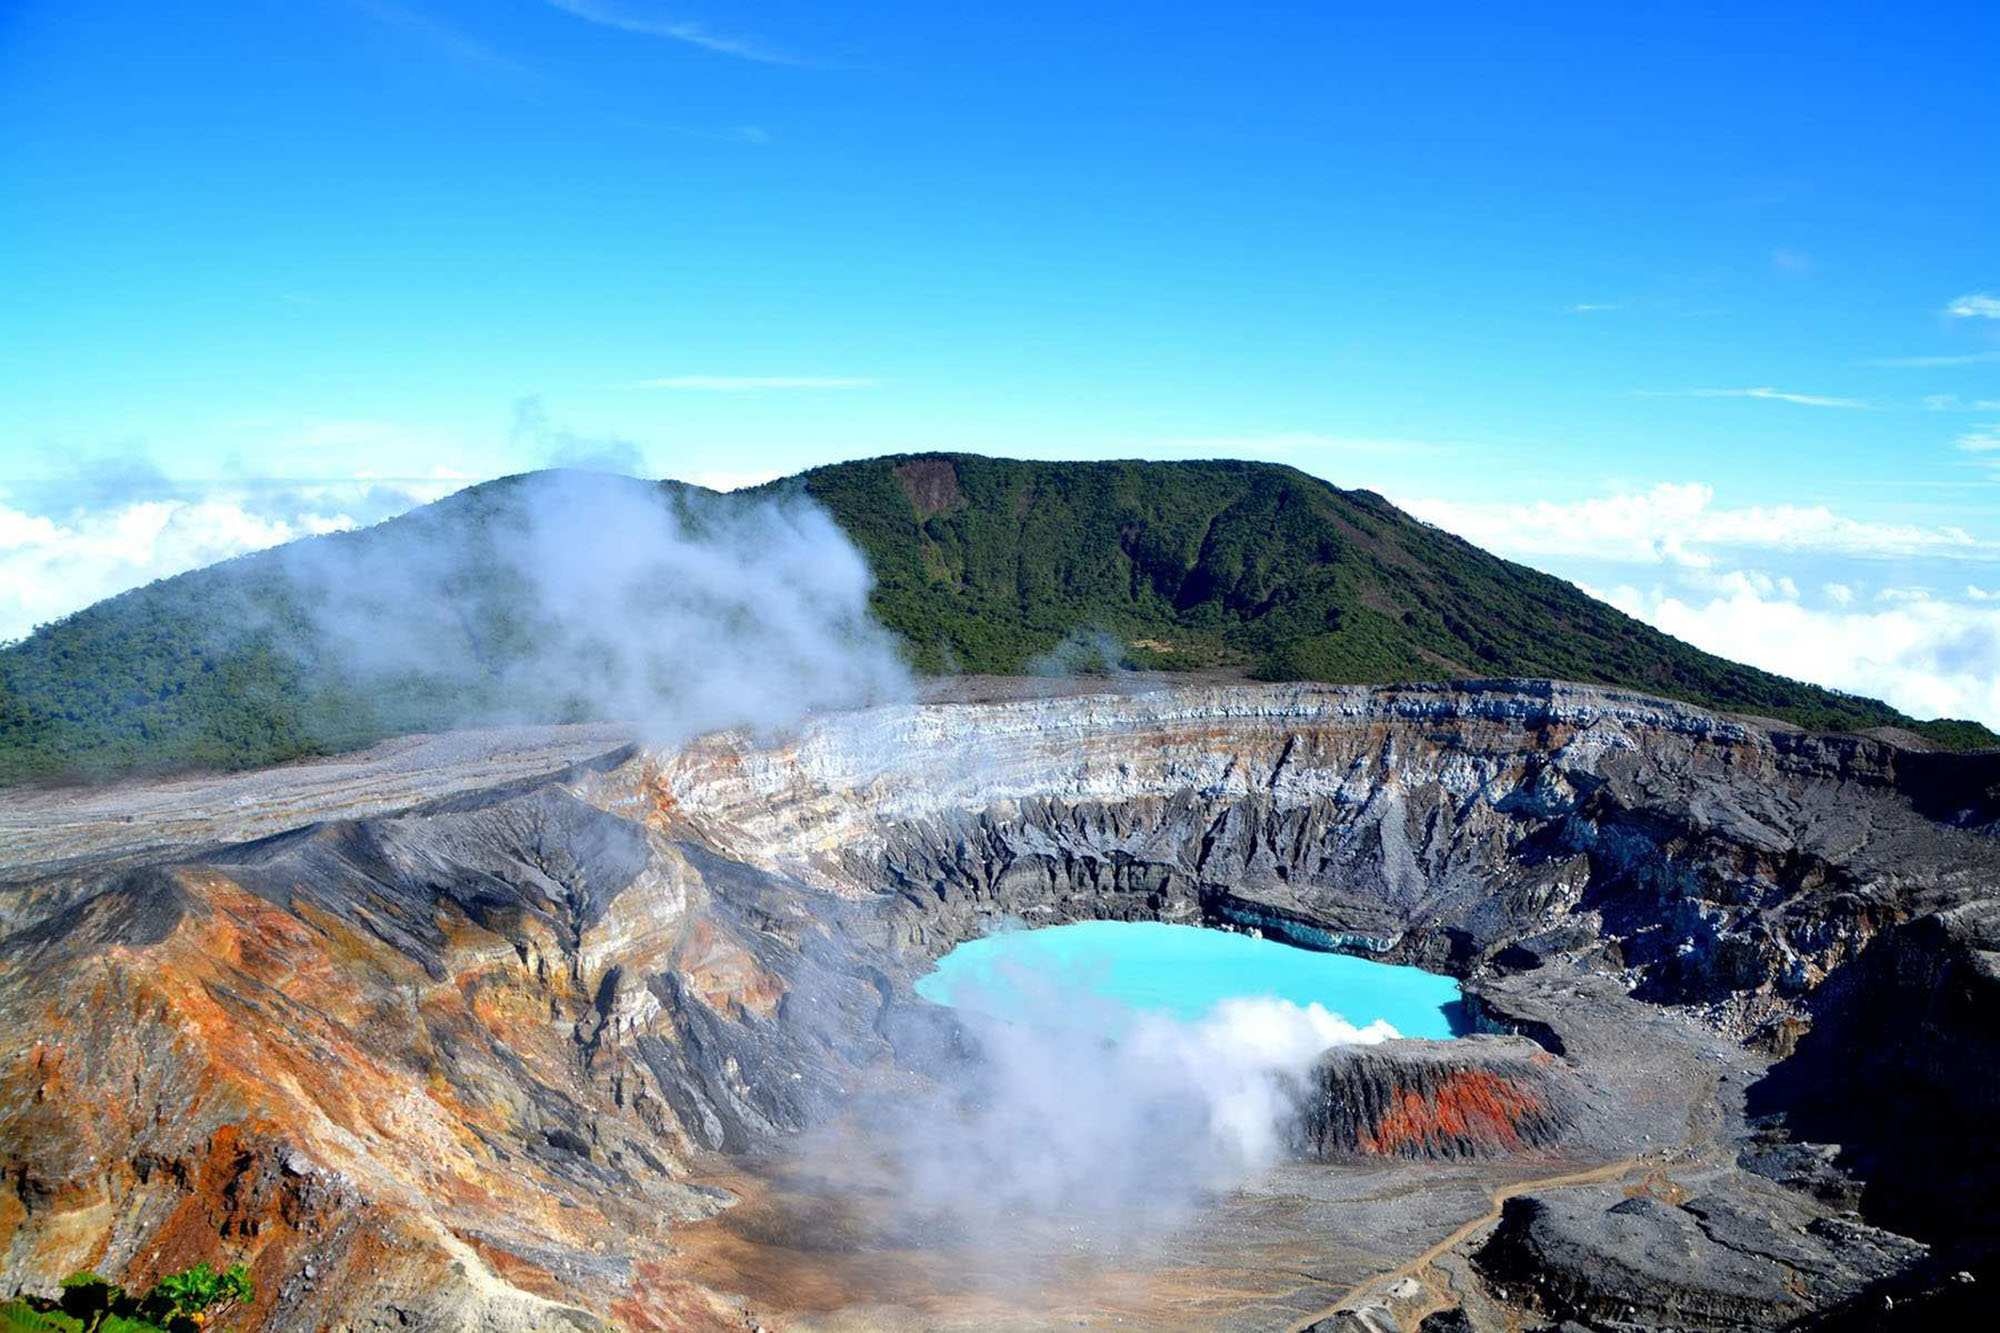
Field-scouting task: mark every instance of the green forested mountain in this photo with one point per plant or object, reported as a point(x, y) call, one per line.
point(981, 564)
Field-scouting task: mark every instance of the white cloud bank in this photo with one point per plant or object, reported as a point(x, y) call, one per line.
point(1929, 656)
point(1933, 361)
point(726, 479)
point(1680, 524)
point(1692, 573)
point(53, 562)
point(1981, 440)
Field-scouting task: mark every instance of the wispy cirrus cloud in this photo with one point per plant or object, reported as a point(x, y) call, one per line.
point(1982, 440)
point(1763, 392)
point(1974, 305)
point(628, 18)
point(1935, 362)
point(1592, 307)
point(756, 383)
point(455, 43)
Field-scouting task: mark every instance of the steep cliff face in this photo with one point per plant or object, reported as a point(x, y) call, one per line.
point(1903, 1056)
point(1718, 862)
point(468, 1064)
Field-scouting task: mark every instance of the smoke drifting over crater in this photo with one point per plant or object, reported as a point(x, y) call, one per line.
point(572, 595)
point(1108, 1123)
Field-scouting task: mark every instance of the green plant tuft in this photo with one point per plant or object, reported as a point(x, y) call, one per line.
point(193, 1299)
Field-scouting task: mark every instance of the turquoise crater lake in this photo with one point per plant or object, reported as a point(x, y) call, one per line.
point(1183, 972)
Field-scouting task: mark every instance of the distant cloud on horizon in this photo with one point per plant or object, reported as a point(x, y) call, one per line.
point(727, 480)
point(60, 553)
point(1674, 558)
point(1680, 524)
point(1929, 656)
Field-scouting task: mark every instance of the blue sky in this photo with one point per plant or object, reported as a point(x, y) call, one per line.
point(1699, 308)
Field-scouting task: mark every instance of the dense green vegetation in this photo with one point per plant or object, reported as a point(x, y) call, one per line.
point(981, 565)
point(184, 1302)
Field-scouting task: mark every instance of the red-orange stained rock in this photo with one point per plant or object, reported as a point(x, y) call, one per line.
point(1472, 1105)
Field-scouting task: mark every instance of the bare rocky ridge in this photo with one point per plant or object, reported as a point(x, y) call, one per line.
point(536, 1051)
point(1476, 1097)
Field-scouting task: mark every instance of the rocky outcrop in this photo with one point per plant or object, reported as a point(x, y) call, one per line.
point(1903, 1059)
point(1709, 1263)
point(1476, 1097)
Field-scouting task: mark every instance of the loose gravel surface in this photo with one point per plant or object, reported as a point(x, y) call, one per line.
point(44, 830)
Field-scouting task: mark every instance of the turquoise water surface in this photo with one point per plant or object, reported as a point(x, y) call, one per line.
point(1183, 971)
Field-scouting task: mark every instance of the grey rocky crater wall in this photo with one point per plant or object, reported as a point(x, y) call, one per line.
point(1715, 862)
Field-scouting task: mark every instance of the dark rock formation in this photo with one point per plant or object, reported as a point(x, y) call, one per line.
point(1446, 1321)
point(1902, 1068)
point(1476, 1097)
point(1707, 1264)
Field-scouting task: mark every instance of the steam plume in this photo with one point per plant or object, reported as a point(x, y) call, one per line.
point(1110, 1122)
point(576, 595)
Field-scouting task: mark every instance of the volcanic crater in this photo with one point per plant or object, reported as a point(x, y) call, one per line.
point(552, 1030)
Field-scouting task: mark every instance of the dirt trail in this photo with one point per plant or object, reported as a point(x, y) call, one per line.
point(1415, 1267)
